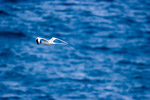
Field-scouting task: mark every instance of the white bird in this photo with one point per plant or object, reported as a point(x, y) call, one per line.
point(44, 41)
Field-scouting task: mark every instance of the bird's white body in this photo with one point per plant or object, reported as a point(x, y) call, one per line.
point(44, 41)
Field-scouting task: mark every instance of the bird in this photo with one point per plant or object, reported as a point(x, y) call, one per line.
point(44, 41)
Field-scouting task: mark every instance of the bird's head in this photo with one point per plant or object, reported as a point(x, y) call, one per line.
point(38, 40)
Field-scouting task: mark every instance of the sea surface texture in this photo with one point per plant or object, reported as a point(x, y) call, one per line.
point(110, 59)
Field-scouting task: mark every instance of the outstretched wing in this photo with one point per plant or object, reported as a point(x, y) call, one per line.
point(63, 42)
point(53, 39)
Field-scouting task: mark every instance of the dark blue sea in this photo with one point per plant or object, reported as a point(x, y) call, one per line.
point(111, 59)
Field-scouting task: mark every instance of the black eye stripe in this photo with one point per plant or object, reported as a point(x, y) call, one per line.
point(37, 41)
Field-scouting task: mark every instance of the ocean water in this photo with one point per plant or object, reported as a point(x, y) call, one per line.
point(111, 60)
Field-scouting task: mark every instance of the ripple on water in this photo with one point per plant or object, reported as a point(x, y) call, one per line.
point(110, 60)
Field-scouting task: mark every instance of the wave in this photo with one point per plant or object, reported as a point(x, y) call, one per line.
point(11, 34)
point(104, 48)
point(3, 13)
point(125, 62)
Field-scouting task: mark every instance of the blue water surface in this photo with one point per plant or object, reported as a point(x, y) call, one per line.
point(111, 59)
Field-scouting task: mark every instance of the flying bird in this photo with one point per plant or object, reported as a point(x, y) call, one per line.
point(44, 41)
